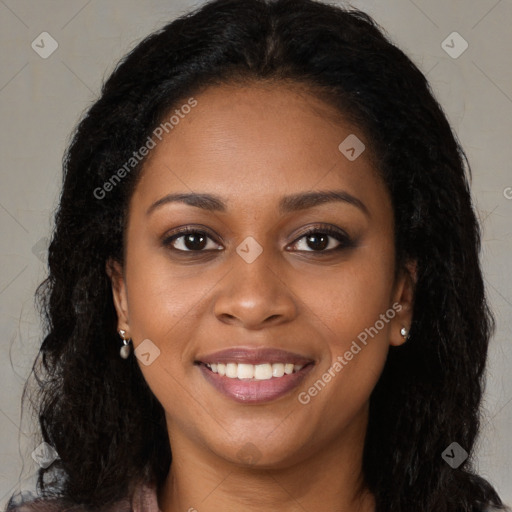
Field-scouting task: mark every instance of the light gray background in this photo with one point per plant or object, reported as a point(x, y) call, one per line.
point(41, 101)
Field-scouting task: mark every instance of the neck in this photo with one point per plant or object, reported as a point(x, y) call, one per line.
point(329, 479)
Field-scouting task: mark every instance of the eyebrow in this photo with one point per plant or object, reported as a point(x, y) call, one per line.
point(287, 204)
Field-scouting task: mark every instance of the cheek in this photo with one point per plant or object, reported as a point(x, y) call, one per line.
point(351, 297)
point(165, 307)
point(352, 309)
point(160, 298)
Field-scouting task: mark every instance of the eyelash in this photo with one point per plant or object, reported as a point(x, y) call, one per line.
point(344, 240)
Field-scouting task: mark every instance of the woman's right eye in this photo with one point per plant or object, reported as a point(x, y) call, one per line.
point(190, 240)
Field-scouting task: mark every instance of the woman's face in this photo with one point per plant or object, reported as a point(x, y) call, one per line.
point(250, 281)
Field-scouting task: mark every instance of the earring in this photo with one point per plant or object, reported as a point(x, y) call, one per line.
point(404, 332)
point(126, 349)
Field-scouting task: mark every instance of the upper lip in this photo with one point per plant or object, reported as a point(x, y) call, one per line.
point(254, 356)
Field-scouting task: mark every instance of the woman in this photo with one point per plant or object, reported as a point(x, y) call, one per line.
point(264, 286)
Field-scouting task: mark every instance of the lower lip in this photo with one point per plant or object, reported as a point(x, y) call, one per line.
point(255, 391)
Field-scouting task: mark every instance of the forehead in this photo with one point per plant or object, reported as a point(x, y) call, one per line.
point(254, 143)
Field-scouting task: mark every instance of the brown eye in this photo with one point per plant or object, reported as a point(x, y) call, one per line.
point(317, 241)
point(190, 240)
point(324, 239)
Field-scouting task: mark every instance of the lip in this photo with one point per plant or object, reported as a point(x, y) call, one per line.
point(254, 356)
point(254, 391)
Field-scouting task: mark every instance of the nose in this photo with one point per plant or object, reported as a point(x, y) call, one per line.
point(254, 295)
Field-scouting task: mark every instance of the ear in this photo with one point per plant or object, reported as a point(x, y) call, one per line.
point(115, 273)
point(403, 302)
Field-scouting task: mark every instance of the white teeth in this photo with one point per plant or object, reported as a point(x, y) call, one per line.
point(277, 369)
point(245, 371)
point(231, 370)
point(263, 371)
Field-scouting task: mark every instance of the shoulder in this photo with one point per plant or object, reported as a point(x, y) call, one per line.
point(144, 500)
point(41, 505)
point(38, 504)
point(56, 505)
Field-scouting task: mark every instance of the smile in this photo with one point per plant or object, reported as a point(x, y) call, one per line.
point(263, 371)
point(254, 384)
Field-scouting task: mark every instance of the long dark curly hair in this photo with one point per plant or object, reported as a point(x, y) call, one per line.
point(93, 406)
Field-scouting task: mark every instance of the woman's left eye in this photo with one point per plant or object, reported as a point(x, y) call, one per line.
point(323, 240)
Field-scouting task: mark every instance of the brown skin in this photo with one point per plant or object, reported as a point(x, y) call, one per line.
point(252, 145)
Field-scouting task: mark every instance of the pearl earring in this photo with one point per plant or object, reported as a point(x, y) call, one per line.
point(126, 349)
point(404, 332)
